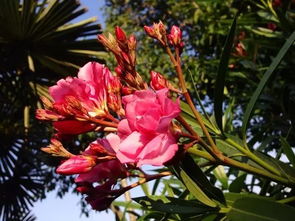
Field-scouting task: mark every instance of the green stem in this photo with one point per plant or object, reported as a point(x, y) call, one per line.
point(243, 166)
point(253, 157)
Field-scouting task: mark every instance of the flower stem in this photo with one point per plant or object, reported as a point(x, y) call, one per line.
point(243, 166)
point(253, 157)
point(177, 64)
point(102, 122)
point(147, 179)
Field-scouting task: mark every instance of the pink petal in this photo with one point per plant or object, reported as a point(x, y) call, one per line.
point(92, 72)
point(102, 171)
point(130, 147)
point(124, 129)
point(158, 151)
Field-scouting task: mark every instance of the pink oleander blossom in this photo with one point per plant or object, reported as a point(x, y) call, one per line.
point(145, 133)
point(81, 97)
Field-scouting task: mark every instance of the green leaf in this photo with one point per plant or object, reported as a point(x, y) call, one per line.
point(288, 150)
point(196, 190)
point(195, 172)
point(189, 115)
point(264, 80)
point(284, 169)
point(197, 183)
point(238, 184)
point(222, 69)
point(254, 209)
point(127, 204)
point(172, 205)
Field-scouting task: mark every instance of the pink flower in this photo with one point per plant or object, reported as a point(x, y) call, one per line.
point(76, 99)
point(145, 135)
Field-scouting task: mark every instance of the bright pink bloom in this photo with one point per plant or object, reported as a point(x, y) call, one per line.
point(81, 98)
point(145, 135)
point(77, 164)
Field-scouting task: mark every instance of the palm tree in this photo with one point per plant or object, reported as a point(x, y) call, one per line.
point(38, 45)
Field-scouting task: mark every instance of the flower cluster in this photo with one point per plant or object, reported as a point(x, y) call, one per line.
point(137, 120)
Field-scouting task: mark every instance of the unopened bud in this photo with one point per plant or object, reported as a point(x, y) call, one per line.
point(42, 114)
point(56, 149)
point(97, 149)
point(157, 31)
point(175, 36)
point(119, 71)
point(120, 34)
point(127, 90)
point(109, 42)
point(158, 81)
point(76, 165)
point(150, 31)
point(132, 42)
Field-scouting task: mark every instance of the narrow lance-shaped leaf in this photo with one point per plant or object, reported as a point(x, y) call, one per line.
point(288, 150)
point(264, 81)
point(222, 69)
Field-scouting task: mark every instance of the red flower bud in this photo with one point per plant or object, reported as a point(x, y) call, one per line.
point(120, 34)
point(150, 31)
point(175, 35)
point(132, 42)
point(119, 71)
point(77, 164)
point(127, 90)
point(158, 81)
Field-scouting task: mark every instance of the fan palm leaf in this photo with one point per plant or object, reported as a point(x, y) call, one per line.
point(39, 42)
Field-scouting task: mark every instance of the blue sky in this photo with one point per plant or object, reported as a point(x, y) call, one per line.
point(68, 209)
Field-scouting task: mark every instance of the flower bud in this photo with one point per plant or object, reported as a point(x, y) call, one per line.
point(42, 114)
point(109, 42)
point(158, 81)
point(132, 42)
point(150, 31)
point(56, 149)
point(127, 90)
point(175, 36)
point(120, 34)
point(157, 31)
point(119, 71)
point(77, 164)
